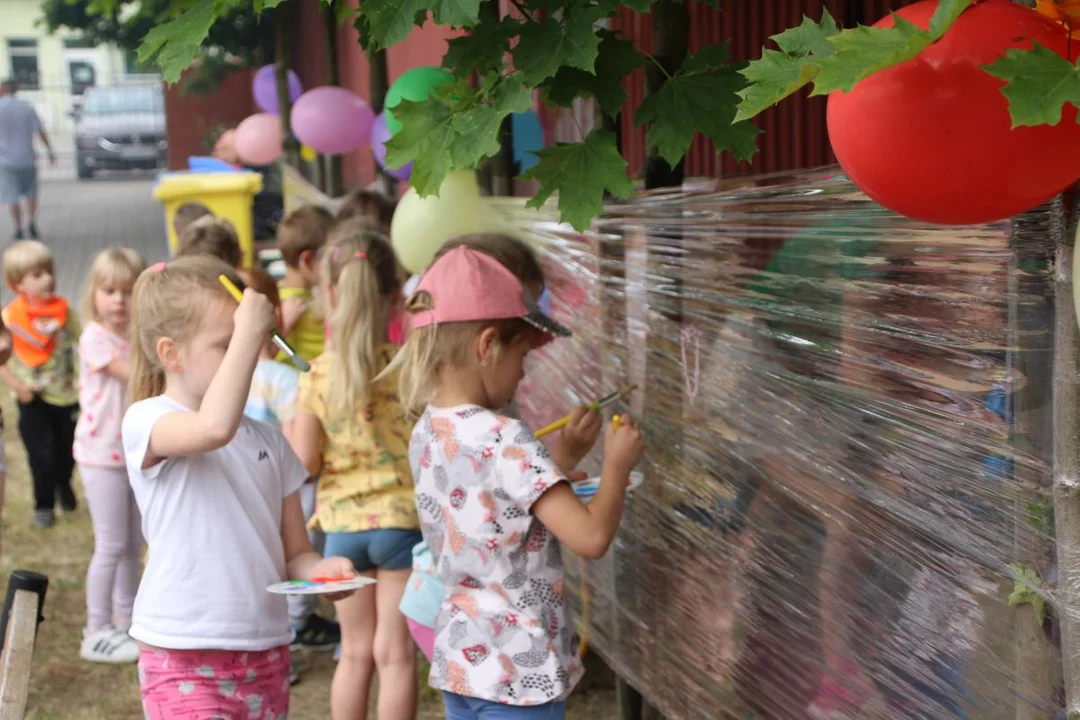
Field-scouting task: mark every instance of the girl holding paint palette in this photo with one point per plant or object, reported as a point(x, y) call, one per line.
point(218, 497)
point(493, 504)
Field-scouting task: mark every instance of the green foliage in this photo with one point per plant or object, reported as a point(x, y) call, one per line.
point(562, 49)
point(1027, 589)
point(701, 97)
point(1038, 83)
point(580, 173)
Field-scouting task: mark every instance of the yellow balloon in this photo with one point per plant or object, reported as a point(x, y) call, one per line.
point(422, 225)
point(307, 154)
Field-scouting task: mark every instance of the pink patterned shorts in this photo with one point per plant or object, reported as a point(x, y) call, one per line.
point(214, 684)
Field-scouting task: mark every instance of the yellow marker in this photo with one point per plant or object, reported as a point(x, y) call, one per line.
point(300, 363)
point(615, 420)
point(598, 405)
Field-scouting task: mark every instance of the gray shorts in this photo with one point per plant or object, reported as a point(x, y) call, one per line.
point(16, 183)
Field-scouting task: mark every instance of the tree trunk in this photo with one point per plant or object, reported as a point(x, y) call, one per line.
point(281, 75)
point(335, 183)
point(379, 82)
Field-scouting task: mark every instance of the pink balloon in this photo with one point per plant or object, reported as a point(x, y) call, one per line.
point(332, 120)
point(258, 140)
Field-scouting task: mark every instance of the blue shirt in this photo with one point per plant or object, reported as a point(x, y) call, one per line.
point(272, 398)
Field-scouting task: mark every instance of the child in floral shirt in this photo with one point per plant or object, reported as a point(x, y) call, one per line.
point(492, 502)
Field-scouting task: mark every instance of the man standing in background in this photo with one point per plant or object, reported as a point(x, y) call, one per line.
point(18, 162)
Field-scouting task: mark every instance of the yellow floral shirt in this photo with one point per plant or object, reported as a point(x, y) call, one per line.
point(365, 483)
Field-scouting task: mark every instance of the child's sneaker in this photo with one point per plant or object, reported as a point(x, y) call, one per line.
point(317, 635)
point(44, 518)
point(109, 645)
point(295, 669)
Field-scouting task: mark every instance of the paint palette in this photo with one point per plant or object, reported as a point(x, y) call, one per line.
point(586, 489)
point(320, 586)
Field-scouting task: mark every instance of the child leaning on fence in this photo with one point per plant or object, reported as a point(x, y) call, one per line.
point(218, 496)
point(493, 504)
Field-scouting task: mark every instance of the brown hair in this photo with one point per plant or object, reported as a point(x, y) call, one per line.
point(369, 204)
point(212, 236)
point(115, 266)
point(187, 214)
point(261, 282)
point(303, 230)
point(429, 351)
point(170, 300)
point(362, 269)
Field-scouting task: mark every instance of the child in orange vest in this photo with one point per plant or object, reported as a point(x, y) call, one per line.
point(43, 374)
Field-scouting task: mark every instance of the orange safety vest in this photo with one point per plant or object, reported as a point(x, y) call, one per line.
point(35, 328)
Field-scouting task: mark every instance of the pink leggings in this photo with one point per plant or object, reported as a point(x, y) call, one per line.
point(423, 636)
point(113, 575)
point(212, 684)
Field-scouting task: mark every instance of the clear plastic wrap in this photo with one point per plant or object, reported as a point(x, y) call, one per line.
point(848, 509)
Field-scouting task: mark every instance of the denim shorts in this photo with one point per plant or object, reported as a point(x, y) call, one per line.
point(389, 549)
point(459, 707)
point(16, 183)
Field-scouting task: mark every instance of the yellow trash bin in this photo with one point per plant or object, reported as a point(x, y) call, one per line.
point(226, 195)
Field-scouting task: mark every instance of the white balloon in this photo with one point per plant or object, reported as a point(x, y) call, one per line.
point(422, 225)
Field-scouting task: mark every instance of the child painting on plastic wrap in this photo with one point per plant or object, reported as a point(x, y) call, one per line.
point(493, 504)
point(218, 496)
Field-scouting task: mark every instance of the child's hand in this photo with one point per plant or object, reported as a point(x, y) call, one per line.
point(579, 435)
point(334, 567)
point(623, 448)
point(255, 315)
point(25, 393)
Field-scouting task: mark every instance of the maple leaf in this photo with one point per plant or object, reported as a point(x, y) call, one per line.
point(482, 50)
point(456, 13)
point(173, 45)
point(580, 173)
point(1038, 82)
point(616, 59)
point(778, 74)
point(863, 51)
point(702, 96)
point(391, 21)
point(457, 127)
point(946, 14)
point(544, 47)
point(809, 37)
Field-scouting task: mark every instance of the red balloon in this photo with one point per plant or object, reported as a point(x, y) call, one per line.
point(932, 139)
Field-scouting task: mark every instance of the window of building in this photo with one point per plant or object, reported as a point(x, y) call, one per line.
point(23, 55)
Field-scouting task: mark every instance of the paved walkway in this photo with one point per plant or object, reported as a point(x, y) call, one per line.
point(79, 219)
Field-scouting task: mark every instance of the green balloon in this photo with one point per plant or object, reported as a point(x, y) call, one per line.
point(414, 85)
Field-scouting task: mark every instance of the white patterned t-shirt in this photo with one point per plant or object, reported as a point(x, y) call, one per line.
point(503, 633)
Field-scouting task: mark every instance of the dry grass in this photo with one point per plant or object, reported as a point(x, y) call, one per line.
point(63, 687)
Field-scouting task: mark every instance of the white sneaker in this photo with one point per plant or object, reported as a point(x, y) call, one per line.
point(109, 645)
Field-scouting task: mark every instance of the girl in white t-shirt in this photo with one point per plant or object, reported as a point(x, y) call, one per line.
point(104, 364)
point(218, 496)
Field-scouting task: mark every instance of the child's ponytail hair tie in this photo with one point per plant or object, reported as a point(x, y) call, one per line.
point(336, 254)
point(158, 267)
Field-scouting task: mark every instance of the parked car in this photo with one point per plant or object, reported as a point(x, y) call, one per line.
point(120, 128)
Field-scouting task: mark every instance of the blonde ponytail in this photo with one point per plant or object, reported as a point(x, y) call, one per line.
point(360, 267)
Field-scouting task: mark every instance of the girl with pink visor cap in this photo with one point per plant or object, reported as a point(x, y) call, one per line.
point(493, 504)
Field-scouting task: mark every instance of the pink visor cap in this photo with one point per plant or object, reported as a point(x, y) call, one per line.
point(469, 286)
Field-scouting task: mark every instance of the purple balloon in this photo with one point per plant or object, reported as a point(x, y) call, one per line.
point(380, 133)
point(264, 89)
point(332, 120)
